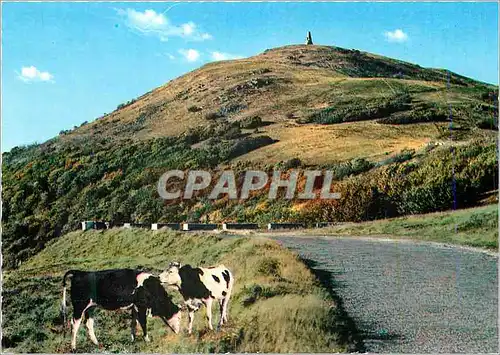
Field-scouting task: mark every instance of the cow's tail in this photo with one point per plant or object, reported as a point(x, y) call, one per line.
point(63, 303)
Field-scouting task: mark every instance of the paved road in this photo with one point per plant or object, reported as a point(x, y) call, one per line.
point(409, 297)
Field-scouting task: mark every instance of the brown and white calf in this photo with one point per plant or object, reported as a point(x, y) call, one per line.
point(200, 286)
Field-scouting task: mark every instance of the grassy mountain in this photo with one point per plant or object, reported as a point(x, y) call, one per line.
point(291, 86)
point(371, 119)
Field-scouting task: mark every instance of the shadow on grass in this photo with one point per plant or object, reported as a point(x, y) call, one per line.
point(349, 332)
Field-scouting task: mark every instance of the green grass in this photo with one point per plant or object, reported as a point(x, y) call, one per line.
point(476, 227)
point(277, 304)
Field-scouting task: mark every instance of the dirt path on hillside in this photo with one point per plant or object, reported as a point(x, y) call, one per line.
point(409, 297)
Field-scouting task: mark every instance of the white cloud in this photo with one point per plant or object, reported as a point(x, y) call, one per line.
point(396, 36)
point(170, 56)
point(31, 73)
point(191, 55)
point(188, 28)
point(223, 56)
point(148, 18)
point(205, 36)
point(152, 22)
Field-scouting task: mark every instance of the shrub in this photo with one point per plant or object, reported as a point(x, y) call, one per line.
point(269, 267)
point(490, 96)
point(360, 165)
point(428, 198)
point(213, 115)
point(231, 109)
point(416, 115)
point(441, 180)
point(292, 163)
point(358, 110)
point(261, 71)
point(404, 155)
point(487, 123)
point(353, 167)
point(194, 108)
point(125, 104)
point(251, 122)
point(227, 130)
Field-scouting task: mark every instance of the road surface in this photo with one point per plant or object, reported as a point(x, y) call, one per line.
point(409, 297)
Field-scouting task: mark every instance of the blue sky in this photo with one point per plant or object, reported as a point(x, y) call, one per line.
point(65, 63)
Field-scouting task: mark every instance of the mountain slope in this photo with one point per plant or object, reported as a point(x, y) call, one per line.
point(286, 86)
point(368, 118)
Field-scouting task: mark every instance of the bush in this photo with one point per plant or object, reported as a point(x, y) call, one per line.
point(416, 115)
point(353, 167)
point(292, 163)
point(487, 123)
point(213, 115)
point(194, 108)
point(360, 165)
point(441, 180)
point(227, 130)
point(404, 155)
point(251, 122)
point(425, 199)
point(269, 267)
point(358, 110)
point(490, 96)
point(231, 109)
point(122, 105)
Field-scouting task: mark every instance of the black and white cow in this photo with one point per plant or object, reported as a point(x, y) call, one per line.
point(118, 289)
point(200, 286)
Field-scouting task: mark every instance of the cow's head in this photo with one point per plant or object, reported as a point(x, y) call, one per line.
point(171, 275)
point(175, 322)
point(161, 304)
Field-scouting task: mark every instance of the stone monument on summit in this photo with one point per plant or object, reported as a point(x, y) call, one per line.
point(309, 39)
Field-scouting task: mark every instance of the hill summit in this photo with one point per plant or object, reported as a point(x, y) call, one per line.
point(284, 85)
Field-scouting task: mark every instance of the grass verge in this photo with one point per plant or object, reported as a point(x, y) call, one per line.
point(277, 304)
point(475, 227)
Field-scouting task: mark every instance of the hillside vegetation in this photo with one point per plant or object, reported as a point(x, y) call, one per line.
point(375, 121)
point(277, 305)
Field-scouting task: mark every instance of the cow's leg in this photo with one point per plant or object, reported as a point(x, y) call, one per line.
point(191, 318)
point(221, 306)
point(78, 311)
point(133, 325)
point(90, 326)
point(74, 331)
point(208, 304)
point(143, 322)
point(225, 303)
